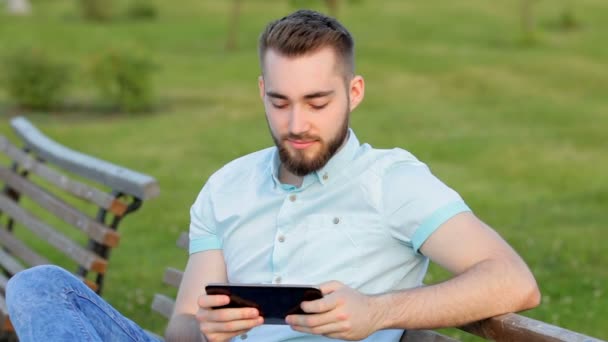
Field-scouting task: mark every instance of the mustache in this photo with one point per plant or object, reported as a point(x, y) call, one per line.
point(305, 137)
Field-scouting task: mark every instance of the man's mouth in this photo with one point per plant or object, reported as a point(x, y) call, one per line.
point(301, 144)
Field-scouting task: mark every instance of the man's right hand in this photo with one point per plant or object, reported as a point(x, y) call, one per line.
point(223, 324)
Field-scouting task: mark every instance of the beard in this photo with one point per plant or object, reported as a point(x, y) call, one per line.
point(299, 162)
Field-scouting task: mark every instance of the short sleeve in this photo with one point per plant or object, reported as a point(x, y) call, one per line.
point(416, 202)
point(203, 234)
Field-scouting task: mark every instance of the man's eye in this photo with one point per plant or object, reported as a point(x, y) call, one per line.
point(318, 107)
point(279, 105)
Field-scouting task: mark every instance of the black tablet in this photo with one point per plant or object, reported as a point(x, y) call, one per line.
point(273, 301)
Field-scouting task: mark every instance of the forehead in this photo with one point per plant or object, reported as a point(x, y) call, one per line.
point(294, 76)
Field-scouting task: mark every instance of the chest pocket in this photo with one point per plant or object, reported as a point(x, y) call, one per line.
point(332, 248)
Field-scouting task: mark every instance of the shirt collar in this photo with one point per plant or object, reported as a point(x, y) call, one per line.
point(332, 169)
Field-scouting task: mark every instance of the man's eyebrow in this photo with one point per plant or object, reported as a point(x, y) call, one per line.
point(307, 96)
point(318, 94)
point(276, 95)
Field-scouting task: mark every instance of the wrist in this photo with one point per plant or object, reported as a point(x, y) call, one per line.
point(379, 306)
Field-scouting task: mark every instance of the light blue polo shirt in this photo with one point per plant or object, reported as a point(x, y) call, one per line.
point(360, 220)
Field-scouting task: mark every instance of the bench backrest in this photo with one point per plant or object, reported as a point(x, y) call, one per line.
point(508, 327)
point(60, 206)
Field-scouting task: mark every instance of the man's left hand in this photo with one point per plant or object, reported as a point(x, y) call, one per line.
point(342, 313)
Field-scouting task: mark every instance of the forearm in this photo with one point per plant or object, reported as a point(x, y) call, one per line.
point(183, 328)
point(487, 289)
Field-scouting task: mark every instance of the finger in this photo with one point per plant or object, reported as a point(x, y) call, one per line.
point(210, 301)
point(333, 329)
point(311, 321)
point(233, 314)
point(222, 336)
point(232, 327)
point(330, 286)
point(324, 304)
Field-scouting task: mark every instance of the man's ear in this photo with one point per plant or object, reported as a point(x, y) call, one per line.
point(356, 91)
point(261, 86)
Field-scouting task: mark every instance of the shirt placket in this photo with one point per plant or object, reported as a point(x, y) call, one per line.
point(285, 223)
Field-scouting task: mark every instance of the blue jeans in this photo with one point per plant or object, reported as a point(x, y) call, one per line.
point(48, 303)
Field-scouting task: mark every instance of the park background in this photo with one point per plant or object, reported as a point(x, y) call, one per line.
point(507, 102)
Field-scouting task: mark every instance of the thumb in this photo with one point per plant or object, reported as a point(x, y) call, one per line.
point(330, 286)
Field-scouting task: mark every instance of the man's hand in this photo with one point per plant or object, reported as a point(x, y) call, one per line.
point(343, 313)
point(223, 324)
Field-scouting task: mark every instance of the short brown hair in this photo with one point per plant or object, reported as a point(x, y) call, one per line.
point(306, 31)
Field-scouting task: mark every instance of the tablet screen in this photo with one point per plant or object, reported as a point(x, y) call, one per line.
point(274, 302)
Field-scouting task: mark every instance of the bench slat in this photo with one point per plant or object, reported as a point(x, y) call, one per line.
point(116, 177)
point(20, 250)
point(163, 305)
point(83, 257)
point(9, 263)
point(173, 276)
point(183, 241)
point(64, 211)
point(4, 322)
point(60, 180)
point(425, 336)
point(3, 282)
point(513, 327)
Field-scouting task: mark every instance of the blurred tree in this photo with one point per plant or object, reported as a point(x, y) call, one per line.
point(96, 10)
point(527, 21)
point(20, 7)
point(568, 20)
point(233, 23)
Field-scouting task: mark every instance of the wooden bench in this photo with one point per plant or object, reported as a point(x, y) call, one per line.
point(508, 327)
point(46, 186)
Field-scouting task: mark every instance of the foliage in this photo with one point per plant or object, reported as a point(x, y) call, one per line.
point(97, 10)
point(567, 19)
point(142, 9)
point(124, 80)
point(34, 80)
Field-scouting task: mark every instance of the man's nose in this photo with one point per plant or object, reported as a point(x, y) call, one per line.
point(298, 121)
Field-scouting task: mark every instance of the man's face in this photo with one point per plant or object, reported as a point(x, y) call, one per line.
point(308, 104)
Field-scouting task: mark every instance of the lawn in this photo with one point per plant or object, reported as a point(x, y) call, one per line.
point(518, 129)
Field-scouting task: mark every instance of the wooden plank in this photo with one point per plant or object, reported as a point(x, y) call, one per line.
point(91, 284)
point(8, 326)
point(514, 327)
point(83, 257)
point(163, 305)
point(425, 336)
point(10, 264)
point(20, 250)
point(59, 208)
point(173, 277)
point(3, 282)
point(4, 321)
point(76, 188)
point(183, 241)
point(116, 177)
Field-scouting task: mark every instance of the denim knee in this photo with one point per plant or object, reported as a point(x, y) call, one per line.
point(36, 282)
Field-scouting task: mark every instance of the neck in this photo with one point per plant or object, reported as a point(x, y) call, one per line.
point(287, 177)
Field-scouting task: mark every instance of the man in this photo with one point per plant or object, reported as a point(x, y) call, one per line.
point(319, 208)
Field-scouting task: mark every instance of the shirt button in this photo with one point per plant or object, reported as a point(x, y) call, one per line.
point(325, 176)
point(244, 337)
point(292, 198)
point(277, 280)
point(281, 238)
point(336, 220)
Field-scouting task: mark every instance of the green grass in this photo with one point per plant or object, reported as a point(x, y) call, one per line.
point(519, 130)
